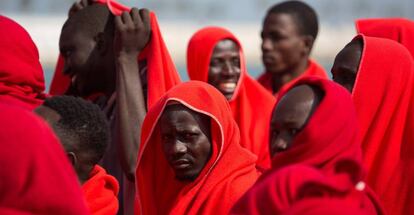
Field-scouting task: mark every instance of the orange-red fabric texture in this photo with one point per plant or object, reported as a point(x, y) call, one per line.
point(21, 75)
point(228, 174)
point(251, 104)
point(397, 29)
point(100, 192)
point(313, 69)
point(383, 97)
point(330, 134)
point(279, 191)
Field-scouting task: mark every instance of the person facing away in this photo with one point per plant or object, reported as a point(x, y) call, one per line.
point(215, 56)
point(100, 46)
point(191, 160)
point(314, 123)
point(21, 75)
point(288, 33)
point(380, 75)
point(84, 133)
point(36, 176)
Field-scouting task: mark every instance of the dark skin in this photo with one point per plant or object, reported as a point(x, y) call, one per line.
point(224, 71)
point(70, 143)
point(102, 63)
point(345, 68)
point(285, 51)
point(290, 116)
point(186, 141)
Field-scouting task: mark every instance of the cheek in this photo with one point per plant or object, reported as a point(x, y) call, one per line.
point(213, 74)
point(290, 49)
point(202, 149)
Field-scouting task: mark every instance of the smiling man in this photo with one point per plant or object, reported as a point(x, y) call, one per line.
point(216, 56)
point(288, 34)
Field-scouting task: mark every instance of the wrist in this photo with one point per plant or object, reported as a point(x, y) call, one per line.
point(127, 56)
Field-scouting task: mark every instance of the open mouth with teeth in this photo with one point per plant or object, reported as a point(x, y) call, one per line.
point(227, 87)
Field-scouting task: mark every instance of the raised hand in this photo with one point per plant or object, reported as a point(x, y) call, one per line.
point(132, 32)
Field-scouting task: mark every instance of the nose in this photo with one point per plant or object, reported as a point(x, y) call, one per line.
point(178, 148)
point(278, 144)
point(266, 44)
point(229, 69)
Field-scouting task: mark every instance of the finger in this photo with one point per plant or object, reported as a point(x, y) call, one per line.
point(136, 16)
point(126, 18)
point(146, 18)
point(118, 23)
point(84, 3)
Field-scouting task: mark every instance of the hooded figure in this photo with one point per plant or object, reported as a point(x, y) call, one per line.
point(215, 56)
point(36, 176)
point(21, 75)
point(381, 77)
point(167, 159)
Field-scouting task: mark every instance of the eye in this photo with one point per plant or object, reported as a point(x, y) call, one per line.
point(167, 137)
point(293, 131)
point(216, 62)
point(236, 61)
point(189, 136)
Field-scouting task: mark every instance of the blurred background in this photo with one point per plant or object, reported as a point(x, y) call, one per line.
point(179, 19)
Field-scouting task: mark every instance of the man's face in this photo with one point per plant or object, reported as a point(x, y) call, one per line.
point(283, 48)
point(79, 53)
point(224, 71)
point(290, 117)
point(346, 65)
point(185, 142)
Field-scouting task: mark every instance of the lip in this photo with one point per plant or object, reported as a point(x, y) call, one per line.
point(181, 164)
point(268, 59)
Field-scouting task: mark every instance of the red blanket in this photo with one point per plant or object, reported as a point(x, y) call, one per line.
point(251, 105)
point(162, 74)
point(383, 97)
point(280, 191)
point(223, 180)
point(313, 70)
point(397, 29)
point(36, 177)
point(100, 192)
point(21, 75)
point(329, 135)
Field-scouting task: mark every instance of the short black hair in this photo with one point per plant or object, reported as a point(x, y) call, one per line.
point(83, 122)
point(304, 15)
point(92, 20)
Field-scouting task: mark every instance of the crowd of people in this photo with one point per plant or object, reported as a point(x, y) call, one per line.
point(120, 133)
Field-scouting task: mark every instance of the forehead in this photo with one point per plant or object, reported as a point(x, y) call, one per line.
point(226, 45)
point(295, 105)
point(280, 21)
point(73, 34)
point(48, 114)
point(178, 115)
point(349, 56)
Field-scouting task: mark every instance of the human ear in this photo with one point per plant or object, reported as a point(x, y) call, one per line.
point(308, 41)
point(72, 158)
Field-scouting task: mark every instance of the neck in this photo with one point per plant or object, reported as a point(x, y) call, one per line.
point(284, 77)
point(84, 173)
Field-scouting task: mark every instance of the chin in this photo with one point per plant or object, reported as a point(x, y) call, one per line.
point(189, 177)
